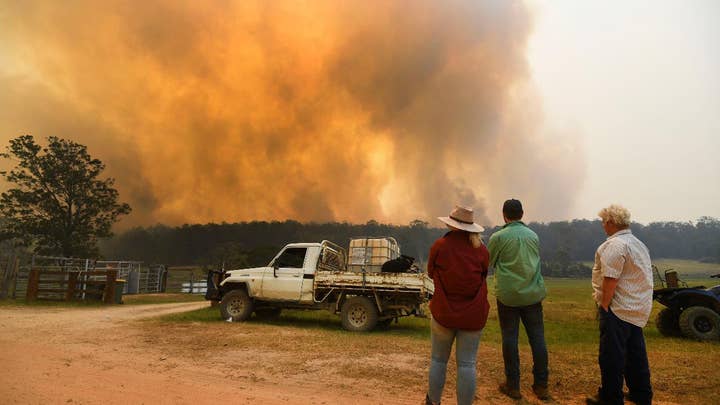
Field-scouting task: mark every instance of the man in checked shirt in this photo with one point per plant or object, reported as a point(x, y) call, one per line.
point(622, 287)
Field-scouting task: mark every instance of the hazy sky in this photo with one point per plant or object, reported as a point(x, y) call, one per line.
point(351, 111)
point(640, 82)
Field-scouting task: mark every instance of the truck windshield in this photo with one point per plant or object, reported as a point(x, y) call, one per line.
point(291, 257)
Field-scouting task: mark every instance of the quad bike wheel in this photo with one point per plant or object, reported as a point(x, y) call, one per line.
point(700, 323)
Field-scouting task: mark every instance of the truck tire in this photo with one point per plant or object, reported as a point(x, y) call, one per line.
point(667, 323)
point(700, 323)
point(236, 304)
point(268, 313)
point(359, 314)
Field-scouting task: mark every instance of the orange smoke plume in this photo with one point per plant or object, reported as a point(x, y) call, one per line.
point(315, 111)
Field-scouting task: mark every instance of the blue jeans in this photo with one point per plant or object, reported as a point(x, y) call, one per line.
point(622, 353)
point(465, 355)
point(532, 319)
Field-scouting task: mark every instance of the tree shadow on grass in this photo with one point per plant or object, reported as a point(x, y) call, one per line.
point(317, 320)
point(320, 320)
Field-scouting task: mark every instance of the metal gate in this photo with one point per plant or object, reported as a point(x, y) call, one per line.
point(139, 279)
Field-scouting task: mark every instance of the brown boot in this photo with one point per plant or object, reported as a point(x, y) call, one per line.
point(513, 393)
point(596, 400)
point(541, 392)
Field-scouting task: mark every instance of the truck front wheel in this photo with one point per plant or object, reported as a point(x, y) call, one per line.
point(359, 314)
point(236, 304)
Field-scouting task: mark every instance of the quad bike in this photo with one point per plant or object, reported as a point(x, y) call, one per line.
point(692, 312)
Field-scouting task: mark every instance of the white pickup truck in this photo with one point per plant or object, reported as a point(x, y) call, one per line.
point(315, 276)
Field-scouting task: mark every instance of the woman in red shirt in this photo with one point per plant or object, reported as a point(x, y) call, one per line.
point(458, 265)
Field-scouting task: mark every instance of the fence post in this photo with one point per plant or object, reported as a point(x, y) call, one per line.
point(5, 278)
point(33, 285)
point(72, 285)
point(163, 281)
point(109, 294)
point(14, 277)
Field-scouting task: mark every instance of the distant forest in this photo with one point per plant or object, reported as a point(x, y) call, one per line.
point(563, 244)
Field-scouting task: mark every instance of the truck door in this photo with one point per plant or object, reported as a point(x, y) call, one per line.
point(284, 278)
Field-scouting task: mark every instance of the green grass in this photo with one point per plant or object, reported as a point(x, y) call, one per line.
point(569, 314)
point(686, 269)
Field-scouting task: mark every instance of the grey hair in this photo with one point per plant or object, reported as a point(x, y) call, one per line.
point(616, 214)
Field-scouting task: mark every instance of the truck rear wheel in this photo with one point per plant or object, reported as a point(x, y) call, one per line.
point(236, 304)
point(359, 314)
point(700, 323)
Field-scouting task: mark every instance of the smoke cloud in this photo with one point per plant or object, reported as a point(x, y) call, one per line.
point(314, 111)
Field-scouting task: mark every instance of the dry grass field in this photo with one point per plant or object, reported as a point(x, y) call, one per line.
point(680, 368)
point(145, 352)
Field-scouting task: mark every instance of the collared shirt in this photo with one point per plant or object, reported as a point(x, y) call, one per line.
point(626, 258)
point(515, 255)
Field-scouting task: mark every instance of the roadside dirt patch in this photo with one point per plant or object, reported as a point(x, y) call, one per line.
point(112, 356)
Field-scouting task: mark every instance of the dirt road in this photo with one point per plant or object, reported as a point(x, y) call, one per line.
point(51, 355)
point(104, 356)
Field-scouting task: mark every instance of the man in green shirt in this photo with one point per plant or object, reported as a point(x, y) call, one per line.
point(520, 289)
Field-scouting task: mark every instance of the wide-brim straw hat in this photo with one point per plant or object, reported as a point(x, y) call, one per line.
point(462, 218)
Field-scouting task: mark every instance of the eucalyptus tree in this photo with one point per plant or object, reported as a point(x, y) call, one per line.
point(57, 202)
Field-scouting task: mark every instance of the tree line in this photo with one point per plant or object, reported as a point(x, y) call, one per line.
point(563, 245)
point(60, 204)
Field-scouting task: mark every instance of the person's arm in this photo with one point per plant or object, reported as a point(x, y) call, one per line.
point(485, 262)
point(431, 259)
point(608, 290)
point(493, 249)
point(612, 262)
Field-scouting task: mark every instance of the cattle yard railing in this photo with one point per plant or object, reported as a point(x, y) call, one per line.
point(136, 277)
point(71, 285)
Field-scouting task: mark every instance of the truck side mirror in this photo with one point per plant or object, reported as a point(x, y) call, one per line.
point(275, 267)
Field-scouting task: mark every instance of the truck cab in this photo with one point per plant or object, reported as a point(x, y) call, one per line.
point(290, 274)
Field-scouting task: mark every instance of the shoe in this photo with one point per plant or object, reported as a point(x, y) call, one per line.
point(595, 400)
point(428, 401)
point(629, 398)
point(513, 393)
point(541, 392)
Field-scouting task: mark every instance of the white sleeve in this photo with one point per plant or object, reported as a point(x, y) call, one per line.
point(612, 260)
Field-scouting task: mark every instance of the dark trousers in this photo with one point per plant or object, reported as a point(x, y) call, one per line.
point(622, 354)
point(532, 318)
